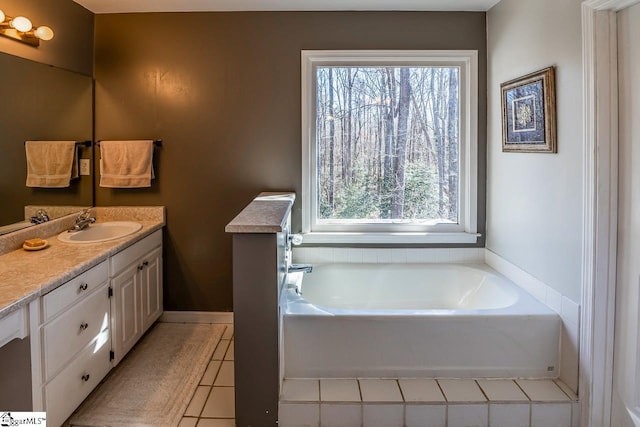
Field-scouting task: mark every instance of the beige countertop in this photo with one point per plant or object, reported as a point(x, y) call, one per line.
point(26, 275)
point(267, 213)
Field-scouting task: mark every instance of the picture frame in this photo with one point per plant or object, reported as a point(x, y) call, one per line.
point(529, 113)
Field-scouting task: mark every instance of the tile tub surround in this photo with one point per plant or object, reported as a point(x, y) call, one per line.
point(568, 310)
point(322, 255)
point(430, 402)
point(24, 275)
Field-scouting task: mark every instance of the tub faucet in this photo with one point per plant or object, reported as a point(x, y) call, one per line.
point(82, 221)
point(305, 268)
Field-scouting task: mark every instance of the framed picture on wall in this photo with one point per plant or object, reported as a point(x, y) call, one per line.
point(529, 113)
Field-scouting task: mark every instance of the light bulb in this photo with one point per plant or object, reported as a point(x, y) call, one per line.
point(21, 23)
point(44, 33)
point(2, 17)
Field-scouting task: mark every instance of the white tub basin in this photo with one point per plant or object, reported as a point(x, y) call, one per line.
point(100, 232)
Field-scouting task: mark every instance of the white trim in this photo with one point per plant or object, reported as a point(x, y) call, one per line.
point(14, 325)
point(196, 317)
point(613, 5)
point(37, 353)
point(467, 60)
point(600, 178)
point(389, 238)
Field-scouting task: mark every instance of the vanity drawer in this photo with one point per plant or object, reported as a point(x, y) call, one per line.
point(123, 259)
point(73, 330)
point(71, 386)
point(74, 290)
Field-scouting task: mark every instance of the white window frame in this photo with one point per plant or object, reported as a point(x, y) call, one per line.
point(463, 232)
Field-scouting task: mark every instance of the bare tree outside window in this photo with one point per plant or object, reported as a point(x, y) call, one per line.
point(388, 143)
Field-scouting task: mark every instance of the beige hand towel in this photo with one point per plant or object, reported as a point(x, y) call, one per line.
point(126, 164)
point(51, 164)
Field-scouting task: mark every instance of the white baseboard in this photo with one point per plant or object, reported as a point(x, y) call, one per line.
point(196, 317)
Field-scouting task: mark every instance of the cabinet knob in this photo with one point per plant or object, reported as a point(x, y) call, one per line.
point(86, 377)
point(83, 286)
point(140, 267)
point(84, 326)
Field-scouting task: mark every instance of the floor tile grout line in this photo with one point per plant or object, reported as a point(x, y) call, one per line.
point(404, 403)
point(525, 393)
point(225, 351)
point(475, 381)
point(555, 381)
point(446, 399)
point(211, 386)
point(205, 402)
point(530, 401)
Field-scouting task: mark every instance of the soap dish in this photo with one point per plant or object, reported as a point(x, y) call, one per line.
point(35, 248)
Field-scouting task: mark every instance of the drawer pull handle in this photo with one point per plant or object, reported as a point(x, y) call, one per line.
point(84, 287)
point(140, 267)
point(86, 377)
point(84, 326)
point(145, 263)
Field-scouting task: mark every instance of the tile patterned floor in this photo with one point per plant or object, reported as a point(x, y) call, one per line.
point(384, 402)
point(212, 404)
point(387, 403)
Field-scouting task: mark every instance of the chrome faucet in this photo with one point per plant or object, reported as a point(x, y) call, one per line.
point(40, 217)
point(82, 221)
point(305, 268)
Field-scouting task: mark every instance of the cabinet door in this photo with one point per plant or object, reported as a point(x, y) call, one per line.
point(151, 283)
point(127, 319)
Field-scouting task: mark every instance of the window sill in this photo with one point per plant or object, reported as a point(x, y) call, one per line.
point(390, 238)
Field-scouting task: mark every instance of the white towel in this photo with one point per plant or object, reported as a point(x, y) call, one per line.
point(51, 164)
point(126, 164)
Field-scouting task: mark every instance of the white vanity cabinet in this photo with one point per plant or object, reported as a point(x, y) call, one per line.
point(70, 342)
point(83, 328)
point(137, 292)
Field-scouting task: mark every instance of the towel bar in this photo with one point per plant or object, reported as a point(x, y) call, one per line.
point(85, 143)
point(156, 143)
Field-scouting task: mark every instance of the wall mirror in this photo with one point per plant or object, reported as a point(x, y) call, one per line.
point(41, 102)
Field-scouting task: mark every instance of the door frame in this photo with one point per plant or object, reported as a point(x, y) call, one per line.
point(600, 208)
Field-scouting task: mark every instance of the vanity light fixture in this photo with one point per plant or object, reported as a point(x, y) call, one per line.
point(20, 28)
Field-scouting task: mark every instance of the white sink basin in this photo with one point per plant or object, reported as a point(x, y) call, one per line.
point(101, 232)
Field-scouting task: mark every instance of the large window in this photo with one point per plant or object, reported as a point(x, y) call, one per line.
point(389, 147)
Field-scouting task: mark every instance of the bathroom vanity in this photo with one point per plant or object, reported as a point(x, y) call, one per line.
point(82, 306)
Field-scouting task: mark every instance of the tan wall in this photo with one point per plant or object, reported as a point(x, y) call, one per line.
point(71, 49)
point(42, 103)
point(72, 46)
point(223, 92)
point(534, 201)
